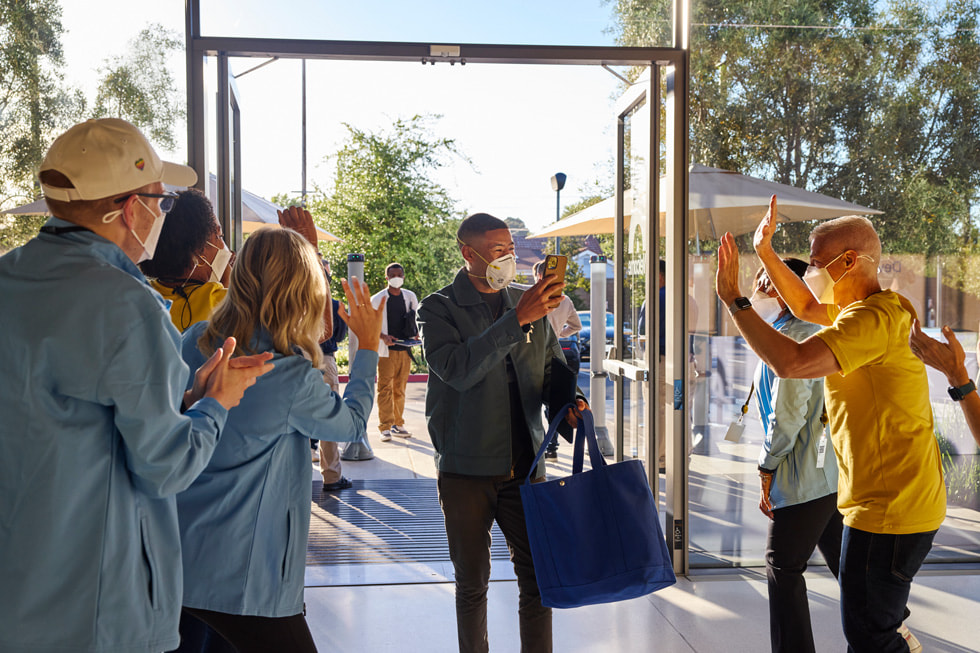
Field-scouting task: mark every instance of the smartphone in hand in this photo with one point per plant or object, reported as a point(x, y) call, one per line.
point(555, 264)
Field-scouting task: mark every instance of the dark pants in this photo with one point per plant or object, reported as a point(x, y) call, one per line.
point(876, 574)
point(470, 506)
point(198, 637)
point(794, 532)
point(249, 634)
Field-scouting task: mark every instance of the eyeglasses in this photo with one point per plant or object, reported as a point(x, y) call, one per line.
point(167, 200)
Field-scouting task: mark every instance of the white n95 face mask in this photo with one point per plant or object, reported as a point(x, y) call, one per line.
point(396, 282)
point(501, 271)
point(767, 307)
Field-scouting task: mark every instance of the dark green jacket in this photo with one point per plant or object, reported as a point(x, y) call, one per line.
point(467, 401)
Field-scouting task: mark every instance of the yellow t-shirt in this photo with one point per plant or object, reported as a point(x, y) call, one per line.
point(891, 478)
point(196, 303)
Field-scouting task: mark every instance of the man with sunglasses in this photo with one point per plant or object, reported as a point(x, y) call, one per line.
point(890, 488)
point(97, 432)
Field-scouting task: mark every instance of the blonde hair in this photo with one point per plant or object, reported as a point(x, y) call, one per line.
point(277, 284)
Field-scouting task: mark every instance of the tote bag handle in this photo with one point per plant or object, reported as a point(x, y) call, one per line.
point(585, 431)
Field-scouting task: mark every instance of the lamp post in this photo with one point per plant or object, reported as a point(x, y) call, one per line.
point(557, 183)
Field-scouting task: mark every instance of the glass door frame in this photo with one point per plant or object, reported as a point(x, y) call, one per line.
point(673, 62)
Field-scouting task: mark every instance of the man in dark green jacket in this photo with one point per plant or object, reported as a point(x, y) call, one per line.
point(489, 350)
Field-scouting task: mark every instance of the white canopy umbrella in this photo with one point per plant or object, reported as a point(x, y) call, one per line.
point(257, 212)
point(720, 201)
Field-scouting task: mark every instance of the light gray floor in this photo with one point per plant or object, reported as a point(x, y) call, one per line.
point(373, 609)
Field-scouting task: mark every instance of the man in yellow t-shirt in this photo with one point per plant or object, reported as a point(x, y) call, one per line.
point(891, 491)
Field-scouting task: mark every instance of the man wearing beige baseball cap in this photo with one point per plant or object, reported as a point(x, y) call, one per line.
point(98, 433)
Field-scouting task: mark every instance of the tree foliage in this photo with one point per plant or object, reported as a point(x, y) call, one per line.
point(33, 103)
point(879, 105)
point(138, 86)
point(385, 206)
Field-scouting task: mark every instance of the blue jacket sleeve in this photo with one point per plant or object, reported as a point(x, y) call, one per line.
point(144, 381)
point(317, 412)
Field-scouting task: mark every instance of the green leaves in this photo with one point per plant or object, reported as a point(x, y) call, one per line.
point(33, 103)
point(138, 86)
point(385, 206)
point(876, 103)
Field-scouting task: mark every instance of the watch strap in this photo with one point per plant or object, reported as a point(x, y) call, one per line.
point(959, 393)
point(740, 304)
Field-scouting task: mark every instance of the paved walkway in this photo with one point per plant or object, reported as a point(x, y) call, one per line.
point(707, 612)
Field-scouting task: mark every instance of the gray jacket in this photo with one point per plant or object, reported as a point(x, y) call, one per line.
point(467, 402)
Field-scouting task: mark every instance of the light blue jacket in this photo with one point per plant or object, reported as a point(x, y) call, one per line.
point(245, 521)
point(93, 449)
point(793, 429)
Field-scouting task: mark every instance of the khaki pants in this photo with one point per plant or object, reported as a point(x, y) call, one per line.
point(329, 451)
point(392, 378)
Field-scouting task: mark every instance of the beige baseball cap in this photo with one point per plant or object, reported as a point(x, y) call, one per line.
point(108, 157)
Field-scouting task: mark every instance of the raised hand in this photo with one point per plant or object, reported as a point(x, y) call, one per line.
point(540, 299)
point(362, 318)
point(947, 358)
point(764, 232)
point(299, 219)
point(726, 281)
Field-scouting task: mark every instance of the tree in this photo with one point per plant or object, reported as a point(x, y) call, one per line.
point(139, 87)
point(880, 104)
point(33, 104)
point(384, 205)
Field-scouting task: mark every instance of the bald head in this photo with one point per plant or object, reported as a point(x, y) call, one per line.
point(852, 232)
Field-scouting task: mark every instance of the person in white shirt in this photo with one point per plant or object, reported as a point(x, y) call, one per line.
point(395, 362)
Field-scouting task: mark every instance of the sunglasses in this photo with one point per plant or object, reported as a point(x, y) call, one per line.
point(167, 200)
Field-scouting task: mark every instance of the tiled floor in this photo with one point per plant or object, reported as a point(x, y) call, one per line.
point(376, 608)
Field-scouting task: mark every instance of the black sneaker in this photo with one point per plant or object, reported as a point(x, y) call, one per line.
point(551, 453)
point(343, 484)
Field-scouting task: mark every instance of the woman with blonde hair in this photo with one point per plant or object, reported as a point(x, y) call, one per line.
point(244, 522)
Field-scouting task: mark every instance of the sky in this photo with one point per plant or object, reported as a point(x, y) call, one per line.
point(517, 124)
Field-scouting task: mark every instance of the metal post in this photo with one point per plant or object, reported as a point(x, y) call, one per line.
point(677, 342)
point(303, 187)
point(597, 351)
point(196, 136)
point(557, 218)
point(358, 449)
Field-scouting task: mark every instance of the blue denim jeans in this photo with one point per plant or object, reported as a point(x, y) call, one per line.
point(876, 574)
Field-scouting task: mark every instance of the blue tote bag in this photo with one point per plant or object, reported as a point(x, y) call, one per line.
point(595, 536)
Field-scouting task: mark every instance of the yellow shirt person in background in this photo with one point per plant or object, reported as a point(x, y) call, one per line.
point(891, 488)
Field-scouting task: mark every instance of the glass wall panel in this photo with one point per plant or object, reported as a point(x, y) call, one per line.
point(727, 527)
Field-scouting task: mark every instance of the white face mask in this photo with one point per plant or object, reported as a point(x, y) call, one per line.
point(767, 307)
point(396, 282)
point(501, 271)
point(220, 263)
point(150, 244)
point(821, 284)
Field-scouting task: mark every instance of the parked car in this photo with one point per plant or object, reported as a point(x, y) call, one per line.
point(571, 348)
point(585, 335)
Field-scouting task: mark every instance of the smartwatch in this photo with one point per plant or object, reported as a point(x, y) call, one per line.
point(959, 393)
point(740, 304)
